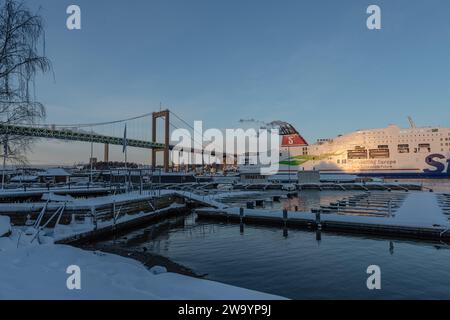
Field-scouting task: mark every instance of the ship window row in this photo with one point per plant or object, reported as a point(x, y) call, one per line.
point(422, 147)
point(383, 152)
point(419, 135)
point(361, 153)
point(305, 151)
point(401, 139)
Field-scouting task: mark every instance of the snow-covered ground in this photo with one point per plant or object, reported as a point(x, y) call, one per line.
point(39, 272)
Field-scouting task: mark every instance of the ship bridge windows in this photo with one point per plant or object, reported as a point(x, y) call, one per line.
point(403, 148)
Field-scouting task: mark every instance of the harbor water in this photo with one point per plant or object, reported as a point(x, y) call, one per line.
point(297, 265)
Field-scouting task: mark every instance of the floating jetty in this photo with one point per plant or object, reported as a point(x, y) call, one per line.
point(89, 232)
point(333, 186)
point(35, 194)
point(416, 215)
point(101, 208)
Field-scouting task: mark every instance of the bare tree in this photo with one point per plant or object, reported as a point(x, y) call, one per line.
point(21, 36)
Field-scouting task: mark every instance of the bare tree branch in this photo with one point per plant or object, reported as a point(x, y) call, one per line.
point(21, 33)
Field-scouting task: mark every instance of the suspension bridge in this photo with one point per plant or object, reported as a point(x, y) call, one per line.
point(92, 133)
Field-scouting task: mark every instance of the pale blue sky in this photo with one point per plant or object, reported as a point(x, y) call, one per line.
point(312, 63)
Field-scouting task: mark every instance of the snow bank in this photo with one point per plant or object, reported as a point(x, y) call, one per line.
point(39, 272)
point(5, 225)
point(23, 238)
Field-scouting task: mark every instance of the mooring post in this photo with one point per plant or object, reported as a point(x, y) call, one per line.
point(241, 219)
point(141, 187)
point(114, 212)
point(318, 235)
point(318, 221)
point(94, 215)
point(390, 208)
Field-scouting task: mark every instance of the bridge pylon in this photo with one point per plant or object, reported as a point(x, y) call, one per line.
point(106, 153)
point(166, 150)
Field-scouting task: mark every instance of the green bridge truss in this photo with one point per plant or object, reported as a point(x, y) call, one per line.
point(69, 135)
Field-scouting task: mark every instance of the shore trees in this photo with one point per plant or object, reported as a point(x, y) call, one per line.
point(22, 57)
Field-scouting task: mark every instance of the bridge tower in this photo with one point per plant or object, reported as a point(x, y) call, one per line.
point(106, 153)
point(155, 116)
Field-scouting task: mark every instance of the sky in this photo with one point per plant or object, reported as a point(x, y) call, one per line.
point(312, 63)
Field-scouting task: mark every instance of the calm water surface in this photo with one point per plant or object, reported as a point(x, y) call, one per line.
point(299, 266)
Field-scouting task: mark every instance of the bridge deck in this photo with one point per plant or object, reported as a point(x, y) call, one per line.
point(71, 135)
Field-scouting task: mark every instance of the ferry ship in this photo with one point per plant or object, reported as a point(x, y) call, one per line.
point(391, 152)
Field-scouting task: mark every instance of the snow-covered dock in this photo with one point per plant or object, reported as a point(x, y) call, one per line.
point(71, 220)
point(100, 208)
point(345, 186)
point(14, 195)
point(89, 231)
point(419, 216)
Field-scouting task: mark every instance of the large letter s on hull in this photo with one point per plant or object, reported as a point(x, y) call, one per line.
point(440, 167)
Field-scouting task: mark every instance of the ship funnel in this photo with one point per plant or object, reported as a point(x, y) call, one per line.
point(290, 136)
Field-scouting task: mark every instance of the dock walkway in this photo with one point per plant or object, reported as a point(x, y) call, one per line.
point(420, 216)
